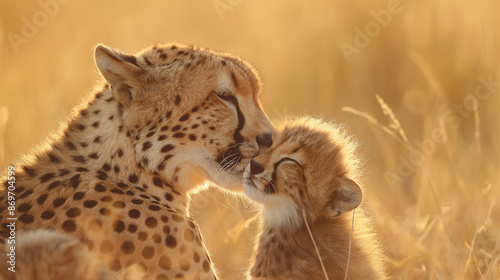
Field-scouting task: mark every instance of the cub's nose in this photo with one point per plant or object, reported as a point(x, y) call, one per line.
point(255, 167)
point(265, 140)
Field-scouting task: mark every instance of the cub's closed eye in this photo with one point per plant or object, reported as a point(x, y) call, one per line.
point(286, 160)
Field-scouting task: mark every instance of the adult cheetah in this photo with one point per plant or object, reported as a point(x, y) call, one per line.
point(117, 175)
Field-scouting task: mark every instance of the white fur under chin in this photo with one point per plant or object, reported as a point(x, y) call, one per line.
point(277, 210)
point(283, 214)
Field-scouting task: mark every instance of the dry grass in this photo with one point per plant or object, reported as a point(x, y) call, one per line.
point(411, 87)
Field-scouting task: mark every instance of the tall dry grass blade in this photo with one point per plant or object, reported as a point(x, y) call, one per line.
point(479, 229)
point(440, 213)
point(404, 141)
point(396, 125)
point(426, 70)
point(450, 154)
point(372, 120)
point(350, 243)
point(493, 270)
point(477, 124)
point(314, 243)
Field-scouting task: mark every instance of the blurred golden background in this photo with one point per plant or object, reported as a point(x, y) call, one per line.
point(416, 81)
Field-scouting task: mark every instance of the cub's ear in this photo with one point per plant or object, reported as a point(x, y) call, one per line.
point(121, 71)
point(345, 198)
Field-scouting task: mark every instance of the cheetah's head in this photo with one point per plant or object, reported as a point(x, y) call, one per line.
point(193, 114)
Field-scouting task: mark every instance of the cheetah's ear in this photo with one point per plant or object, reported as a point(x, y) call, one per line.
point(345, 198)
point(121, 71)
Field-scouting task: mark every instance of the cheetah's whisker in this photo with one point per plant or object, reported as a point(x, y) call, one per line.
point(314, 243)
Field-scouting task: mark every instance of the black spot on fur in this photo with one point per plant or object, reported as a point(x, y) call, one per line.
point(78, 159)
point(157, 182)
point(99, 188)
point(75, 181)
point(47, 177)
point(78, 196)
point(171, 241)
point(53, 185)
point(167, 148)
point(89, 203)
point(53, 158)
point(134, 213)
point(70, 146)
point(117, 191)
point(25, 207)
point(69, 226)
point(29, 171)
point(119, 226)
point(63, 172)
point(59, 201)
point(80, 126)
point(46, 215)
point(106, 167)
point(146, 145)
point(102, 175)
point(73, 213)
point(168, 196)
point(133, 178)
point(42, 199)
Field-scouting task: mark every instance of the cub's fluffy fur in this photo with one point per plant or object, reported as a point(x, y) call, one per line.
point(312, 167)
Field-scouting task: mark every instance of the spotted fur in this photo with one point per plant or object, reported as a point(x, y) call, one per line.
point(48, 254)
point(118, 174)
point(311, 167)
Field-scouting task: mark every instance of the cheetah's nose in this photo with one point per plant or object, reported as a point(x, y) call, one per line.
point(265, 140)
point(255, 167)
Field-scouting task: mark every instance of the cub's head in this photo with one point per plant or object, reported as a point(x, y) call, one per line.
point(192, 114)
point(310, 167)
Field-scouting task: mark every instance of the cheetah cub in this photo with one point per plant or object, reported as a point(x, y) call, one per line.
point(310, 171)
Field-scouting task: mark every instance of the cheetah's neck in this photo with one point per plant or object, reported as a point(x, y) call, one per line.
point(94, 142)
